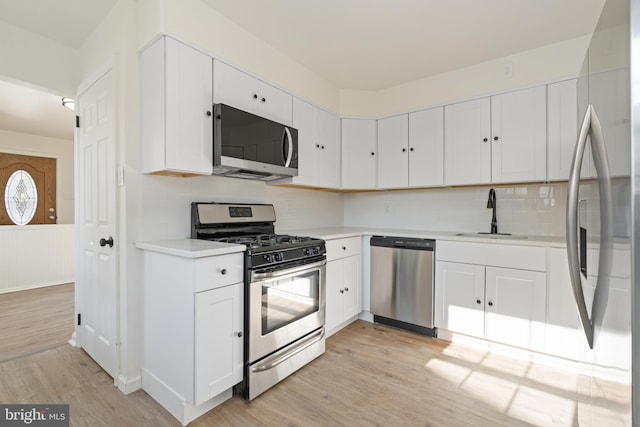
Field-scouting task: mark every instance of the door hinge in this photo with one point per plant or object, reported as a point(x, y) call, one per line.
point(77, 121)
point(79, 319)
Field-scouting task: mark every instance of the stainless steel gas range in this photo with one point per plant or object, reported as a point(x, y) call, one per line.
point(284, 290)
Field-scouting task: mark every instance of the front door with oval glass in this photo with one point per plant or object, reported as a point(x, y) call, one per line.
point(27, 190)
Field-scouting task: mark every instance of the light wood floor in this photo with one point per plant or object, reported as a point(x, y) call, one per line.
point(35, 320)
point(370, 375)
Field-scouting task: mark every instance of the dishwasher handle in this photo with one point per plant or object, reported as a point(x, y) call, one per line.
point(413, 243)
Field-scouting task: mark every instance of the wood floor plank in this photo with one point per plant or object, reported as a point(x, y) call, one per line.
point(370, 375)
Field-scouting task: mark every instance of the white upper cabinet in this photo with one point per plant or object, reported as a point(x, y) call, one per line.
point(562, 128)
point(393, 149)
point(175, 101)
point(359, 154)
point(426, 147)
point(245, 92)
point(519, 136)
point(318, 146)
point(467, 147)
point(498, 139)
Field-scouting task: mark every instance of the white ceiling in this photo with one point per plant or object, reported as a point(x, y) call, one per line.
point(376, 44)
point(355, 44)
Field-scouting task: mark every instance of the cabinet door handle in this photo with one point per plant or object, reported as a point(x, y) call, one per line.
point(411, 149)
point(223, 271)
point(485, 139)
point(404, 150)
point(495, 138)
point(342, 291)
point(490, 303)
point(344, 248)
point(239, 334)
point(264, 99)
point(478, 301)
point(346, 289)
point(255, 96)
point(209, 113)
point(373, 154)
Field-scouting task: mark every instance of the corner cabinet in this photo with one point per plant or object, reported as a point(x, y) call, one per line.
point(410, 148)
point(498, 139)
point(176, 95)
point(245, 92)
point(318, 145)
point(496, 292)
point(344, 283)
point(193, 329)
point(359, 150)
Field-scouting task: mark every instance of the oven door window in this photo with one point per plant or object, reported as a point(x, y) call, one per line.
point(286, 300)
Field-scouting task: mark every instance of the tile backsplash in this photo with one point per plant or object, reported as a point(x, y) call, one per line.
point(166, 203)
point(535, 209)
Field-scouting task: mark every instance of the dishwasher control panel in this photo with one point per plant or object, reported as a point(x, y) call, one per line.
point(404, 242)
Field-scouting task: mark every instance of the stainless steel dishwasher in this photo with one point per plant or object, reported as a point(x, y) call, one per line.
point(402, 275)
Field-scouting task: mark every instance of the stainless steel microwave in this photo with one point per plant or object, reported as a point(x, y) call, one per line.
point(252, 147)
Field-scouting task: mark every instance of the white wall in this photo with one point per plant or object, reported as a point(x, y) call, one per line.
point(536, 209)
point(166, 203)
point(199, 24)
point(60, 149)
point(33, 256)
point(30, 58)
point(549, 63)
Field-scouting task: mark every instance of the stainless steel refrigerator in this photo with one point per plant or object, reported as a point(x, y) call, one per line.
point(603, 219)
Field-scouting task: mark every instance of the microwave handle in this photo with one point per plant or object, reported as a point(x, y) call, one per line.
point(287, 134)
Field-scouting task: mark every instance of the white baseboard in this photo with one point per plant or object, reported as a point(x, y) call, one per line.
point(129, 385)
point(73, 340)
point(176, 404)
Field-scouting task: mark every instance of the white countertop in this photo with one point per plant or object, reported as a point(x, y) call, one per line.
point(191, 248)
point(329, 233)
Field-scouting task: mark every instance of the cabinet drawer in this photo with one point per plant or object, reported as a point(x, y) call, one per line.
point(497, 255)
point(341, 248)
point(217, 271)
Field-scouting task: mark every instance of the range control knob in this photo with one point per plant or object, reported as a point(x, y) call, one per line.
point(279, 256)
point(269, 257)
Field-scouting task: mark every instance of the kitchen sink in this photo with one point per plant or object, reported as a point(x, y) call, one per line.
point(493, 236)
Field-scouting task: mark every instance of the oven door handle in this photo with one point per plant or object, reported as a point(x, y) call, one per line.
point(287, 272)
point(285, 354)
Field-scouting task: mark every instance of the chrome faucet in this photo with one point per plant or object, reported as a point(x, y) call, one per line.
point(491, 204)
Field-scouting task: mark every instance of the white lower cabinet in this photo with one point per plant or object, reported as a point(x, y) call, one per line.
point(344, 283)
point(483, 297)
point(193, 331)
point(218, 341)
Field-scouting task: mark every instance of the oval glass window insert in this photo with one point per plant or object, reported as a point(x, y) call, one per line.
point(21, 197)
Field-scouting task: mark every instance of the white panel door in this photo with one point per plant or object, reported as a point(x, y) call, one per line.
point(515, 307)
point(304, 119)
point(328, 149)
point(334, 297)
point(562, 128)
point(519, 136)
point(467, 147)
point(233, 87)
point(359, 163)
point(426, 147)
point(352, 286)
point(274, 104)
point(188, 109)
point(393, 152)
point(96, 224)
point(218, 341)
point(459, 298)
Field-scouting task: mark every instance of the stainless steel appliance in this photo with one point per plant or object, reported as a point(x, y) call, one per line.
point(402, 277)
point(284, 290)
point(252, 147)
point(603, 215)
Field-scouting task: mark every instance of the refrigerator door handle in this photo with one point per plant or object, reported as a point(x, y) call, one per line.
point(573, 252)
point(590, 126)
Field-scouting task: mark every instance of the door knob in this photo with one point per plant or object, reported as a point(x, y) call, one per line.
point(104, 242)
